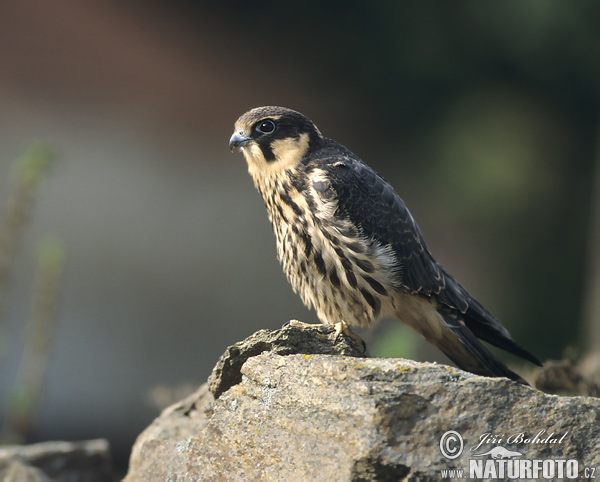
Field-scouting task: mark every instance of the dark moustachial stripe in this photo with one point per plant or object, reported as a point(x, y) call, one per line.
point(267, 151)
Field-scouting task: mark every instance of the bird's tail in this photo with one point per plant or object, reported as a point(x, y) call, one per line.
point(468, 353)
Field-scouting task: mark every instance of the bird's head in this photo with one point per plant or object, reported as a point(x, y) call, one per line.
point(273, 138)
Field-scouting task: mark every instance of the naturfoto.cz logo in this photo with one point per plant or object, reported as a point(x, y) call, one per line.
point(499, 462)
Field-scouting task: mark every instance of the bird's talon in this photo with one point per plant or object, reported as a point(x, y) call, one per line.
point(363, 347)
point(343, 328)
point(297, 324)
point(338, 331)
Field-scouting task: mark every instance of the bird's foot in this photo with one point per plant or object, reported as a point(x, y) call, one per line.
point(343, 328)
point(297, 324)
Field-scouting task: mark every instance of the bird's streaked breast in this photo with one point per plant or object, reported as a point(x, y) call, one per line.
point(327, 260)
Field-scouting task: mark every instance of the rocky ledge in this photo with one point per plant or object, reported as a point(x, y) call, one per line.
point(86, 461)
point(297, 404)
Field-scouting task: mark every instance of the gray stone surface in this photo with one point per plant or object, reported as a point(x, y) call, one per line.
point(86, 461)
point(314, 339)
point(293, 415)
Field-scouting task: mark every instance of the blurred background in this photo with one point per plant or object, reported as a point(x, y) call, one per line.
point(135, 248)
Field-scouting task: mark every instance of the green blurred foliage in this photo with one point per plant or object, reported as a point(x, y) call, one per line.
point(396, 341)
point(34, 164)
point(22, 400)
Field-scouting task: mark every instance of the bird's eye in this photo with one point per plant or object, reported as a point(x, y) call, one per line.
point(265, 127)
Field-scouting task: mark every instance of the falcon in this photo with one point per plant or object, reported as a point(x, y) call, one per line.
point(350, 247)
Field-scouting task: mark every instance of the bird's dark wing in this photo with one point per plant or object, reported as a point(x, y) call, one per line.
point(373, 205)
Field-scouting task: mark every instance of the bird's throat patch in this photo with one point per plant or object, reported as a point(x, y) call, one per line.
point(281, 154)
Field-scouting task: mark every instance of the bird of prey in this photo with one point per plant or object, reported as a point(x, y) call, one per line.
point(351, 249)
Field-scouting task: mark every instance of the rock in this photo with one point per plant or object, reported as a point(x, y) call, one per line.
point(87, 461)
point(285, 410)
point(153, 450)
point(563, 378)
point(317, 339)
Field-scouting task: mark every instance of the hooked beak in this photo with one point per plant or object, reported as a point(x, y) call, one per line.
point(238, 140)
